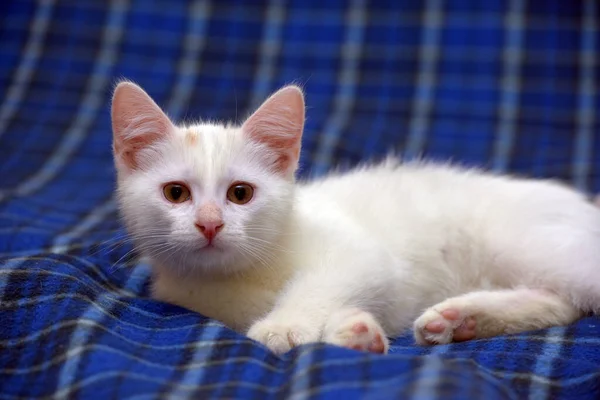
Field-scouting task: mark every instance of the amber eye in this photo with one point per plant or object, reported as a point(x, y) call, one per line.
point(240, 193)
point(176, 192)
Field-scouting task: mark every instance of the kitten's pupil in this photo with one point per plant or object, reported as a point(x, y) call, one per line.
point(239, 193)
point(176, 192)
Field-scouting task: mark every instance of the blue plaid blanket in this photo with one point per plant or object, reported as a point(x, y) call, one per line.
point(510, 85)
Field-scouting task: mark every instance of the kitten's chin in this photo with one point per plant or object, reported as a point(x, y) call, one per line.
point(206, 261)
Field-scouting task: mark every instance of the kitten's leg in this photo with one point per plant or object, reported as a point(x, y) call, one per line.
point(299, 315)
point(491, 313)
point(343, 279)
point(355, 329)
point(338, 266)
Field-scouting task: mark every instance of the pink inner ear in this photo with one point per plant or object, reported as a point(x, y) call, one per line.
point(137, 123)
point(128, 152)
point(278, 123)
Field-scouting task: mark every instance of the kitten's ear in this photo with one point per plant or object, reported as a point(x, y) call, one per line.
point(278, 123)
point(137, 123)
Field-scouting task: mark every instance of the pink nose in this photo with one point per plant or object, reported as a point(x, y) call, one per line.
point(209, 228)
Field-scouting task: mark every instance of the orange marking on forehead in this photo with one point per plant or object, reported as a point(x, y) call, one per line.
point(191, 137)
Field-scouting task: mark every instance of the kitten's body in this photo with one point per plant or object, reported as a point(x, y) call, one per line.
point(351, 257)
point(445, 232)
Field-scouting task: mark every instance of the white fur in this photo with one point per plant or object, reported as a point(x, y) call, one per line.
point(394, 240)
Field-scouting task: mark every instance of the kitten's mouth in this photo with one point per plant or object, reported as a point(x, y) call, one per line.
point(210, 246)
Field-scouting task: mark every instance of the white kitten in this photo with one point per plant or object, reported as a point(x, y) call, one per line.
point(353, 258)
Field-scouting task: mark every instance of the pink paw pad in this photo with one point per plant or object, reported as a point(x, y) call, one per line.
point(376, 344)
point(465, 330)
point(359, 331)
point(360, 327)
point(450, 314)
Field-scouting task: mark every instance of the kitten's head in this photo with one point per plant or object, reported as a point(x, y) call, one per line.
point(206, 198)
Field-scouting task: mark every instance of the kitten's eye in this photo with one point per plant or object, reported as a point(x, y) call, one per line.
point(176, 192)
point(240, 193)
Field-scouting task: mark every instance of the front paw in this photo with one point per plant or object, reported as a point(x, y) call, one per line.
point(281, 336)
point(356, 329)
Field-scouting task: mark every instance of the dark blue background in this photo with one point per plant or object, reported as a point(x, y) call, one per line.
point(509, 85)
